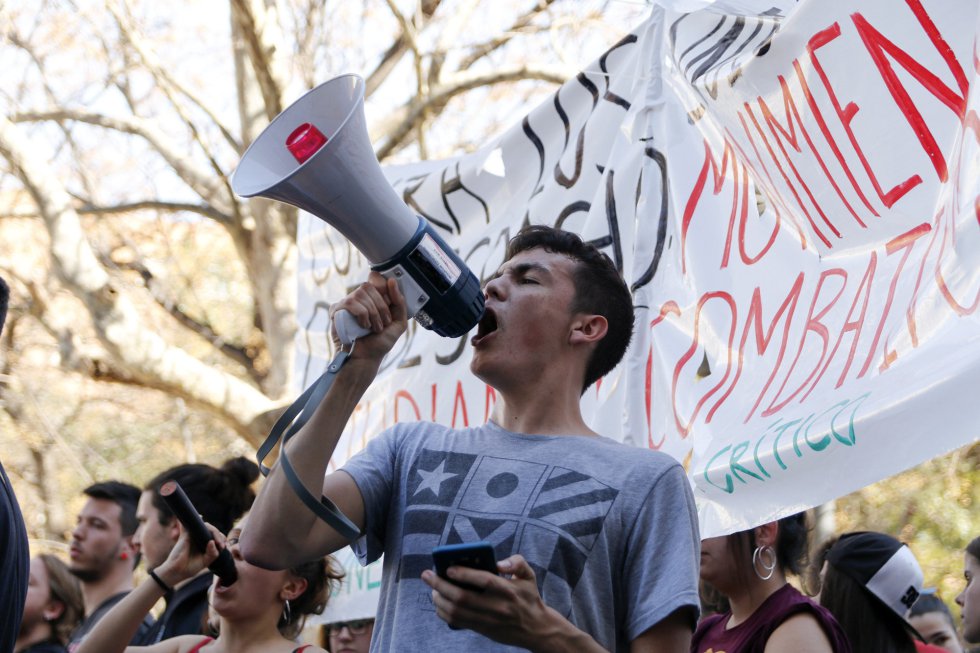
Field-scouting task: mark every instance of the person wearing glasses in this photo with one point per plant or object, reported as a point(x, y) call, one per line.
point(350, 636)
point(348, 620)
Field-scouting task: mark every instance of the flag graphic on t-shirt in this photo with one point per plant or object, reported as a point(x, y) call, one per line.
point(549, 514)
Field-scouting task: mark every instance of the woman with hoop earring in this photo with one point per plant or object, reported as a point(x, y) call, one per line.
point(744, 576)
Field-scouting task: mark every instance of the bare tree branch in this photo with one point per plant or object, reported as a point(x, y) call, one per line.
point(155, 205)
point(410, 34)
point(131, 207)
point(49, 93)
point(236, 353)
point(125, 68)
point(204, 183)
point(393, 55)
point(399, 125)
point(521, 24)
point(256, 28)
point(307, 39)
point(168, 84)
point(142, 354)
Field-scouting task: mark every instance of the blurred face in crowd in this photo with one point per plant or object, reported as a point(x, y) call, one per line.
point(351, 636)
point(969, 600)
point(254, 591)
point(936, 629)
point(39, 607)
point(155, 540)
point(97, 541)
point(717, 562)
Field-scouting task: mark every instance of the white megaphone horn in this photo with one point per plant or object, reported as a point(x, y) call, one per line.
point(317, 156)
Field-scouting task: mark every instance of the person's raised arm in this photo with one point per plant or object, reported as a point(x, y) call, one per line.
point(120, 624)
point(282, 532)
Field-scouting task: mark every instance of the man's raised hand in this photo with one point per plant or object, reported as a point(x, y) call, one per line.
point(377, 305)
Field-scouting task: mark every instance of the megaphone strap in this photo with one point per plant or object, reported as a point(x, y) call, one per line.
point(288, 424)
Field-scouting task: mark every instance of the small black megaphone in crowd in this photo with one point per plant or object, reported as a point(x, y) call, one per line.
point(175, 498)
point(317, 156)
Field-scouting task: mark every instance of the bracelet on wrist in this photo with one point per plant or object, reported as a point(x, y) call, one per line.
point(159, 581)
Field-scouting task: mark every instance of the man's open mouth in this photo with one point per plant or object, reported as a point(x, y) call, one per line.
point(486, 326)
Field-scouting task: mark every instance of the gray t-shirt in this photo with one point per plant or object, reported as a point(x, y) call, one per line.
point(610, 530)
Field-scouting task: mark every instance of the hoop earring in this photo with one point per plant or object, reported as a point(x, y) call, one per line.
point(286, 612)
point(757, 561)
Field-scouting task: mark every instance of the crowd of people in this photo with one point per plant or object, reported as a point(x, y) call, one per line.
point(90, 603)
point(598, 544)
point(866, 587)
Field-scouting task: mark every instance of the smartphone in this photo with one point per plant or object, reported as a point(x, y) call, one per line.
point(476, 555)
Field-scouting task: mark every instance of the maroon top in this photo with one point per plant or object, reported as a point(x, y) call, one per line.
point(751, 635)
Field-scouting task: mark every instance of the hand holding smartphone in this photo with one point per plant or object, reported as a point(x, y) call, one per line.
point(476, 555)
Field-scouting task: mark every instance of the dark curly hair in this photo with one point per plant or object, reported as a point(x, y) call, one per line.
point(220, 495)
point(322, 577)
point(599, 290)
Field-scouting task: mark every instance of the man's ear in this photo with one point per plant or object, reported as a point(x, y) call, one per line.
point(173, 530)
point(293, 588)
point(130, 551)
point(588, 329)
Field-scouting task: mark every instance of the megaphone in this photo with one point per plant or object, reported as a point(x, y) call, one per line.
point(224, 565)
point(317, 156)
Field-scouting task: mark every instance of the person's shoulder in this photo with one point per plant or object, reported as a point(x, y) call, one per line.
point(408, 433)
point(801, 633)
point(634, 455)
point(419, 428)
point(406, 439)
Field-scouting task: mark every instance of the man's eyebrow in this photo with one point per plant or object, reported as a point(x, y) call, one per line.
point(520, 270)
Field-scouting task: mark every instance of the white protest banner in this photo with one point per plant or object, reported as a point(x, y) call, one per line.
point(792, 192)
point(356, 597)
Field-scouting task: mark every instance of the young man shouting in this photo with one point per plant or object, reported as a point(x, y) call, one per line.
point(597, 541)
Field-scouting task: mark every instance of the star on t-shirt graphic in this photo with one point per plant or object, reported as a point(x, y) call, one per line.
point(434, 479)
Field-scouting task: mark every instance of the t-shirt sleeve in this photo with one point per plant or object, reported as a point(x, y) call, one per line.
point(663, 555)
point(373, 470)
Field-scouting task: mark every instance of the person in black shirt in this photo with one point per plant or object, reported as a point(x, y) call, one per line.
point(103, 553)
point(221, 496)
point(14, 554)
point(14, 560)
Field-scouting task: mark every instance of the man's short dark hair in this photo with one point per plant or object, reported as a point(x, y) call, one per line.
point(124, 495)
point(599, 290)
point(221, 496)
